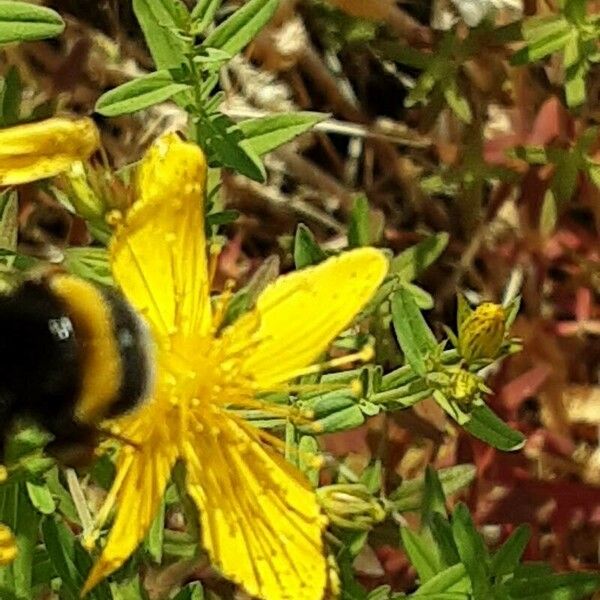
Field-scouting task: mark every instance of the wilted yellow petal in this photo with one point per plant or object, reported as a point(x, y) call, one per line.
point(261, 523)
point(38, 150)
point(139, 485)
point(158, 254)
point(297, 317)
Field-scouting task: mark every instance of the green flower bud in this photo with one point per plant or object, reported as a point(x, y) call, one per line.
point(351, 506)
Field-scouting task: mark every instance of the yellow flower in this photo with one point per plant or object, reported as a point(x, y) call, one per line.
point(260, 520)
point(481, 334)
point(44, 149)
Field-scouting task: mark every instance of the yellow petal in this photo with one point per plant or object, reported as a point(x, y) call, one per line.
point(261, 523)
point(158, 254)
point(142, 475)
point(298, 316)
point(44, 149)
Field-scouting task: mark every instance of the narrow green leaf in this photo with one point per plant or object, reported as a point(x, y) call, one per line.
point(41, 498)
point(154, 540)
point(359, 228)
point(241, 28)
point(507, 557)
point(486, 426)
point(90, 263)
point(225, 143)
point(308, 450)
point(17, 513)
point(441, 530)
point(452, 579)
point(138, 94)
point(548, 214)
point(457, 103)
point(60, 545)
point(203, 14)
point(423, 298)
point(410, 263)
point(561, 586)
point(434, 499)
point(10, 98)
point(166, 44)
point(267, 133)
point(306, 250)
point(414, 336)
point(9, 207)
point(575, 84)
point(341, 420)
point(22, 21)
point(541, 48)
point(421, 554)
point(472, 551)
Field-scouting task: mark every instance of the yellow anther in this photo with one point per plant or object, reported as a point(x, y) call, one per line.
point(356, 388)
point(3, 473)
point(114, 217)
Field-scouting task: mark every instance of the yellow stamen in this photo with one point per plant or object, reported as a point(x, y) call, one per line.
point(363, 355)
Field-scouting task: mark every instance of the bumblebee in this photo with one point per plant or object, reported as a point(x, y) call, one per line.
point(71, 355)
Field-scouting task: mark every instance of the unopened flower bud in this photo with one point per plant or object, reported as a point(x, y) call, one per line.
point(351, 506)
point(464, 387)
point(482, 333)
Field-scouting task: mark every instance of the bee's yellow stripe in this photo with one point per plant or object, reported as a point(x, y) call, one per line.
point(102, 369)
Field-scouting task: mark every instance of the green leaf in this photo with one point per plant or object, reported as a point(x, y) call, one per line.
point(341, 420)
point(409, 496)
point(154, 541)
point(548, 214)
point(306, 250)
point(486, 426)
point(9, 207)
point(359, 228)
point(434, 499)
point(457, 103)
point(452, 579)
point(138, 94)
point(414, 336)
point(441, 530)
point(472, 551)
point(60, 545)
point(267, 133)
point(507, 557)
point(203, 14)
point(410, 263)
point(225, 143)
point(563, 586)
point(10, 98)
point(89, 263)
point(158, 21)
point(421, 554)
point(17, 512)
point(423, 299)
point(575, 84)
point(193, 591)
point(308, 449)
point(21, 21)
point(241, 28)
point(40, 497)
